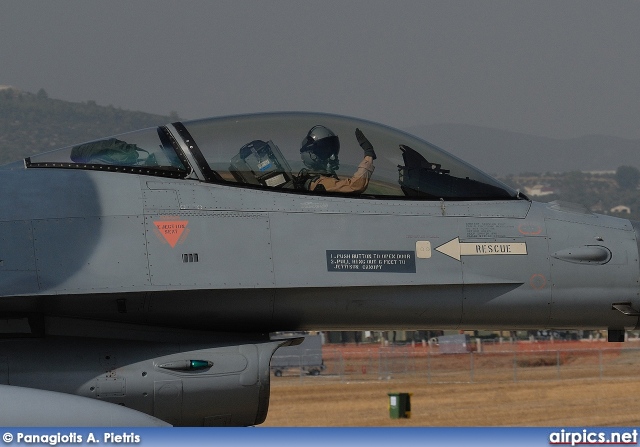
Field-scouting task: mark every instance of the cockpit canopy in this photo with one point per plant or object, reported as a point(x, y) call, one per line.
point(263, 151)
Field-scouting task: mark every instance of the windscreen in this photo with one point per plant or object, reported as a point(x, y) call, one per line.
point(148, 151)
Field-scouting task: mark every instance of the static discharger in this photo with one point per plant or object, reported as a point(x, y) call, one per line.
point(187, 365)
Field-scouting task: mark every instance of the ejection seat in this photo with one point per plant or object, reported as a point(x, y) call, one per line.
point(261, 163)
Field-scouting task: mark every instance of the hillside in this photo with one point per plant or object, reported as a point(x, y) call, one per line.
point(33, 123)
point(501, 153)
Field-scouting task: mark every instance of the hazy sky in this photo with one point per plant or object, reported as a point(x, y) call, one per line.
point(557, 68)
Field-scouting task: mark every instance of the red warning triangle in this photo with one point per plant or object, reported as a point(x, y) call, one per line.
point(171, 230)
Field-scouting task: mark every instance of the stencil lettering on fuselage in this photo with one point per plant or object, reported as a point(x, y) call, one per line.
point(172, 230)
point(389, 261)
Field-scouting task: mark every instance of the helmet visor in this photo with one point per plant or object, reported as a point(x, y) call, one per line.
point(323, 148)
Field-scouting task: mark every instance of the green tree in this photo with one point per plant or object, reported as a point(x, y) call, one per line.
point(627, 177)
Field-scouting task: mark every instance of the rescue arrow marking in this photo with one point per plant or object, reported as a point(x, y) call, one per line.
point(455, 249)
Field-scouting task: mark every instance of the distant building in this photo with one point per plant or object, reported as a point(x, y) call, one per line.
point(538, 191)
point(608, 172)
point(621, 209)
point(598, 207)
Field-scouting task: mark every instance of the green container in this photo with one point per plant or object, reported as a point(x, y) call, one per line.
point(399, 405)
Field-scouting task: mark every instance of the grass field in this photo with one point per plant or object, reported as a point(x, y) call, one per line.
point(328, 401)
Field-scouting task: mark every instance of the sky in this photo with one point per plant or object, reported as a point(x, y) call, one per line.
point(554, 68)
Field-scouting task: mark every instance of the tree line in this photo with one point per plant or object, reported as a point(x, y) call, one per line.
point(599, 192)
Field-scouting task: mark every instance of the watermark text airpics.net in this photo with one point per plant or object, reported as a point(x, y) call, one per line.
point(589, 437)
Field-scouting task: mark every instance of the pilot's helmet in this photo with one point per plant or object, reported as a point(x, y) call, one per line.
point(319, 150)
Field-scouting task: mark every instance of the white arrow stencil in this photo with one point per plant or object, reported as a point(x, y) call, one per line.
point(455, 249)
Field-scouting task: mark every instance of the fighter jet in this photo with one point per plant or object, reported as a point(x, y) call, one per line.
point(144, 273)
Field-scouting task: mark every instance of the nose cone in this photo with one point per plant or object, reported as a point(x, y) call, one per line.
point(594, 265)
point(625, 308)
point(636, 229)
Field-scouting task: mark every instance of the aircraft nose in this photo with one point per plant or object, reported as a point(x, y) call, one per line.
point(628, 309)
point(636, 228)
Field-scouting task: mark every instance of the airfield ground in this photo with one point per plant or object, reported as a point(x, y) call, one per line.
point(576, 394)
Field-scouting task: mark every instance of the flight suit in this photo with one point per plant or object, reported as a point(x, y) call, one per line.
point(355, 185)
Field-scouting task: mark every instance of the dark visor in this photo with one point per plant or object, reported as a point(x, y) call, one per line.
point(323, 148)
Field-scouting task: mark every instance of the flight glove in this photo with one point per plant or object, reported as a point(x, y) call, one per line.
point(365, 144)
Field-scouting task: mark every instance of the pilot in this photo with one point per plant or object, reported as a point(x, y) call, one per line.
point(319, 152)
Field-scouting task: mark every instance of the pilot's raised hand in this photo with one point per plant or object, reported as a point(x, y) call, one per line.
point(365, 144)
